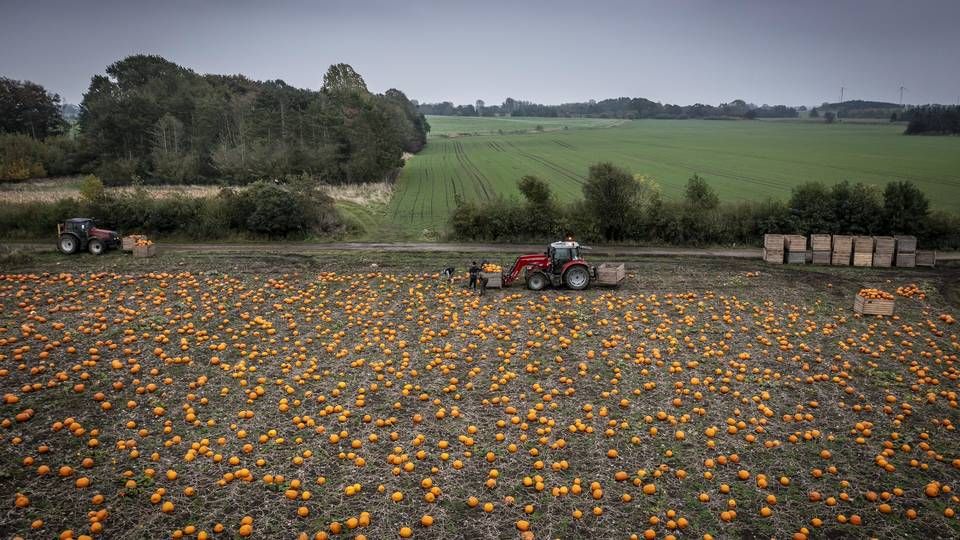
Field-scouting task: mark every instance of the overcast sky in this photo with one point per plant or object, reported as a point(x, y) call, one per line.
point(710, 51)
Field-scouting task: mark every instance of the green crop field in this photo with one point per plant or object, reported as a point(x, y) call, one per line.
point(741, 160)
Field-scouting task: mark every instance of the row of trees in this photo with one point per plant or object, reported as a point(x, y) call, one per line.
point(619, 207)
point(150, 118)
point(933, 120)
point(629, 108)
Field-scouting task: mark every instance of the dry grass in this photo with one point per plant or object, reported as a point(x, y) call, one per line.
point(287, 375)
point(363, 194)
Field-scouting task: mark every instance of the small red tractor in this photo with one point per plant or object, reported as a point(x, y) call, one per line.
point(78, 234)
point(562, 265)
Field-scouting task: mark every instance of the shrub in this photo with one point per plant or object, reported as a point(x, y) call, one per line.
point(611, 196)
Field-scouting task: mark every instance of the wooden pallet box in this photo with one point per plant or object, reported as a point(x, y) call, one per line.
point(841, 259)
point(797, 257)
point(870, 306)
point(796, 242)
point(926, 258)
point(611, 273)
point(906, 243)
point(127, 243)
point(906, 260)
point(773, 256)
point(884, 245)
point(863, 244)
point(821, 242)
point(145, 251)
point(494, 279)
point(821, 257)
point(774, 242)
point(842, 243)
point(863, 259)
point(883, 260)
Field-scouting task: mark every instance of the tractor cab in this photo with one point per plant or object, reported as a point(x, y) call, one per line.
point(560, 253)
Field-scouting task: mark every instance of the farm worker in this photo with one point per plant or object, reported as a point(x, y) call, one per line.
point(474, 272)
point(483, 285)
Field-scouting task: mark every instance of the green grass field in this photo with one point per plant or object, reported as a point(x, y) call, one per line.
point(741, 160)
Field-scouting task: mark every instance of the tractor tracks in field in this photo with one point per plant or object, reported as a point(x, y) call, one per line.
point(471, 168)
point(559, 169)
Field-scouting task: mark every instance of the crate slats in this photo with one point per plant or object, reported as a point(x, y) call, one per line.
point(863, 244)
point(842, 243)
point(868, 306)
point(840, 259)
point(797, 257)
point(773, 256)
point(796, 242)
point(926, 258)
point(820, 242)
point(906, 243)
point(774, 242)
point(906, 260)
point(884, 245)
point(883, 260)
point(821, 257)
point(863, 259)
point(494, 279)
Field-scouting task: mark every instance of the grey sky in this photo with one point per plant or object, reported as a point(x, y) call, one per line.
point(677, 51)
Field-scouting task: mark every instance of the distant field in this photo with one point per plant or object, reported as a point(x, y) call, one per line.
point(441, 126)
point(741, 160)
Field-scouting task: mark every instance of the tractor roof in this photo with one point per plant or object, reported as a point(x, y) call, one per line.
point(79, 220)
point(565, 244)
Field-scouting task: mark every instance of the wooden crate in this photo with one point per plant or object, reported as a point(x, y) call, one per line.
point(145, 251)
point(906, 260)
point(863, 259)
point(773, 256)
point(867, 306)
point(884, 245)
point(494, 279)
point(906, 244)
point(926, 258)
point(775, 242)
point(863, 244)
point(127, 243)
point(842, 243)
point(883, 260)
point(821, 257)
point(820, 242)
point(796, 242)
point(840, 259)
point(611, 273)
point(797, 257)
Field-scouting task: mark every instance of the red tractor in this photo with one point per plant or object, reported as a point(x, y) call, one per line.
point(78, 234)
point(562, 264)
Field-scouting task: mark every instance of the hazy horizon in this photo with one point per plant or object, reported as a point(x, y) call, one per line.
point(546, 52)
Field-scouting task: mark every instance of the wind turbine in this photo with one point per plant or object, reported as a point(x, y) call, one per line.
point(902, 88)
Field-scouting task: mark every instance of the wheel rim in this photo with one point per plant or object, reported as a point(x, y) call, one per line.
point(96, 247)
point(66, 244)
point(577, 278)
point(536, 282)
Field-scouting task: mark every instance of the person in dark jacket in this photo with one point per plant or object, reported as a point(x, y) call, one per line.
point(483, 285)
point(474, 273)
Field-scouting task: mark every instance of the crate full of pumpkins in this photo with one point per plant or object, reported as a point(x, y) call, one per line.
point(144, 247)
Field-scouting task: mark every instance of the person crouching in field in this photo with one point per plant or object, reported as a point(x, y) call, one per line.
point(474, 273)
point(447, 274)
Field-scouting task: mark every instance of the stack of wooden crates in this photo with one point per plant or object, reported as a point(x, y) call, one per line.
point(883, 248)
point(906, 251)
point(842, 250)
point(820, 244)
point(796, 248)
point(773, 248)
point(862, 250)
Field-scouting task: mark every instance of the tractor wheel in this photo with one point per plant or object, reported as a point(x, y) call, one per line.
point(67, 244)
point(95, 246)
point(536, 281)
point(577, 278)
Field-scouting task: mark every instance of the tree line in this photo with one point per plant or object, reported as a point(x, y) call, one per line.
point(933, 120)
point(623, 107)
point(152, 119)
point(619, 207)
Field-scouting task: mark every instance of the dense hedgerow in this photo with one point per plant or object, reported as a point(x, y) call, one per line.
point(261, 210)
point(618, 207)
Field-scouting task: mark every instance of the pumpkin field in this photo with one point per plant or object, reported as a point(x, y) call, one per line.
point(198, 396)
